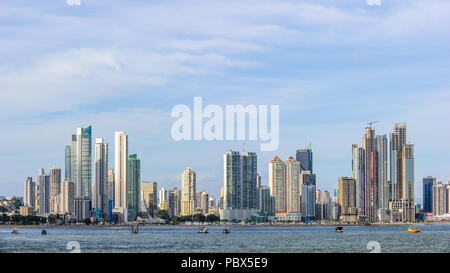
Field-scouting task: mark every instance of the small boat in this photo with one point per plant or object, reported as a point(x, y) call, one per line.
point(413, 229)
point(202, 230)
point(44, 232)
point(135, 229)
point(339, 229)
point(15, 231)
point(226, 231)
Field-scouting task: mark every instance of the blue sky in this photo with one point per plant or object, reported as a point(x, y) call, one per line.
point(332, 66)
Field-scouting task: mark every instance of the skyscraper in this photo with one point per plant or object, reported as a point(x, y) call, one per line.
point(305, 157)
point(407, 185)
point(249, 181)
point(382, 168)
point(347, 196)
point(239, 195)
point(358, 168)
point(29, 193)
point(277, 183)
point(133, 186)
point(80, 151)
point(120, 167)
point(55, 181)
point(202, 202)
point(150, 195)
point(396, 143)
point(428, 183)
point(267, 207)
point(308, 200)
point(55, 188)
point(162, 196)
point(188, 192)
point(284, 179)
point(174, 199)
point(44, 193)
point(439, 199)
point(371, 175)
point(101, 176)
point(68, 163)
point(111, 184)
point(66, 197)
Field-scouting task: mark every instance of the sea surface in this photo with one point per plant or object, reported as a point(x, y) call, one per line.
point(262, 239)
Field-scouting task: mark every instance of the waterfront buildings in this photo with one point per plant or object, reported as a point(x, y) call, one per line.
point(29, 193)
point(284, 180)
point(188, 192)
point(305, 157)
point(428, 183)
point(358, 170)
point(120, 176)
point(308, 196)
point(440, 196)
point(267, 203)
point(162, 197)
point(202, 202)
point(82, 208)
point(149, 193)
point(347, 198)
point(371, 175)
point(174, 200)
point(44, 193)
point(382, 168)
point(101, 177)
point(277, 184)
point(67, 197)
point(371, 164)
point(55, 188)
point(79, 170)
point(240, 178)
point(133, 186)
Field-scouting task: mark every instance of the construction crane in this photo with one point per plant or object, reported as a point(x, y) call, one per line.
point(370, 123)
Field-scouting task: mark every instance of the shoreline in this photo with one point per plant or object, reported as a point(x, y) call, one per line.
point(221, 225)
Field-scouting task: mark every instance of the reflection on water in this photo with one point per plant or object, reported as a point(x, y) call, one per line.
point(434, 238)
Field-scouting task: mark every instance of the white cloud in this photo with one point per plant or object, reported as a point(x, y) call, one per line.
point(373, 2)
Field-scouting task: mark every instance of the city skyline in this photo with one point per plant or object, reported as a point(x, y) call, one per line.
point(307, 150)
point(332, 66)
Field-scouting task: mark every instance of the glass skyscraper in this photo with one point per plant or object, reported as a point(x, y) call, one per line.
point(428, 183)
point(133, 186)
point(305, 157)
point(80, 168)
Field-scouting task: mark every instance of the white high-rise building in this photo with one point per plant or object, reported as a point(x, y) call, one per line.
point(29, 194)
point(120, 177)
point(163, 196)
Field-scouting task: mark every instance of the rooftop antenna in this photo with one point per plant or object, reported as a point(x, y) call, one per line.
point(370, 123)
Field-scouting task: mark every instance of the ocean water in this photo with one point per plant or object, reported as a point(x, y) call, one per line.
point(323, 239)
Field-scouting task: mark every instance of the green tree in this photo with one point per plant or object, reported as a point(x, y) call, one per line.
point(51, 219)
point(212, 218)
point(163, 214)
